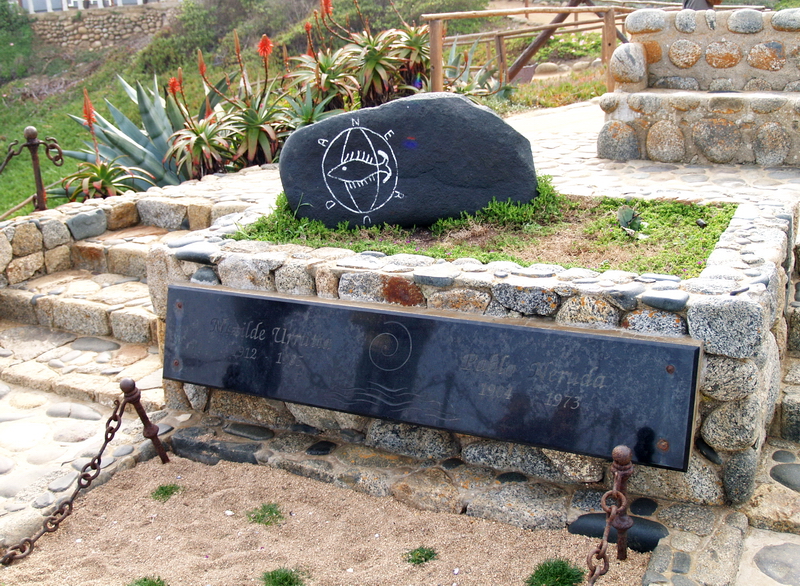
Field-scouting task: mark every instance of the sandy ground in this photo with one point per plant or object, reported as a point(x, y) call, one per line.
point(337, 537)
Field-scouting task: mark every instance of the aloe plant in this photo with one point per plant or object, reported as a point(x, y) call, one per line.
point(328, 74)
point(303, 111)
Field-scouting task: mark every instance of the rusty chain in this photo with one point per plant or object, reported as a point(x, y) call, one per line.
point(616, 515)
point(92, 469)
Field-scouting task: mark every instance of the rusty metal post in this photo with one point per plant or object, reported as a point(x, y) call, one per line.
point(622, 468)
point(31, 134)
point(437, 52)
point(616, 515)
point(32, 144)
point(133, 396)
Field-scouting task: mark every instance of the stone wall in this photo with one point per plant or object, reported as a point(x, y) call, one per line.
point(100, 27)
point(735, 307)
point(669, 107)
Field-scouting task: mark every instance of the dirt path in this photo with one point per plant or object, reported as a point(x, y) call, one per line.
point(337, 537)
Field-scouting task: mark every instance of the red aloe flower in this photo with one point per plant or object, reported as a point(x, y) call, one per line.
point(88, 111)
point(327, 7)
point(264, 46)
point(201, 65)
point(174, 86)
point(308, 27)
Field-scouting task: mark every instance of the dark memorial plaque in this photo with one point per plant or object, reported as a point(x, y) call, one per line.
point(579, 391)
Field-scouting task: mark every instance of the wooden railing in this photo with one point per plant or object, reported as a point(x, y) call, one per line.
point(607, 14)
point(606, 21)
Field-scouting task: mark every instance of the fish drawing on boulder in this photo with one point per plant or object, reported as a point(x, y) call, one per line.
point(360, 170)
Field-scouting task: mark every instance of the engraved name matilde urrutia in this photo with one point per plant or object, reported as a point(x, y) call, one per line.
point(359, 168)
point(559, 388)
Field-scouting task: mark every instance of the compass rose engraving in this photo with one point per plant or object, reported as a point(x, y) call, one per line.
point(359, 168)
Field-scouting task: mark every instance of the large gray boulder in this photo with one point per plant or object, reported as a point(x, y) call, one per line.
point(408, 162)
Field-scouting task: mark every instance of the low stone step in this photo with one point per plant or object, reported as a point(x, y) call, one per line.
point(84, 303)
point(775, 504)
point(86, 368)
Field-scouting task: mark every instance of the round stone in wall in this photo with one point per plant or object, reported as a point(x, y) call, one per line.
point(768, 56)
point(771, 145)
point(644, 103)
point(684, 102)
point(767, 105)
point(684, 53)
point(652, 51)
point(665, 142)
point(723, 54)
point(686, 21)
point(617, 141)
point(676, 82)
point(787, 20)
point(757, 85)
point(718, 139)
point(609, 102)
point(628, 63)
point(646, 21)
point(793, 86)
point(747, 21)
point(721, 85)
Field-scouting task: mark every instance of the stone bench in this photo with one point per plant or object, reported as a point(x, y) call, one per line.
point(705, 87)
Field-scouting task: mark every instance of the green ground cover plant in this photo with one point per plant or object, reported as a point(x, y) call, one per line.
point(586, 233)
point(555, 572)
point(148, 582)
point(267, 514)
point(420, 555)
point(283, 577)
point(165, 492)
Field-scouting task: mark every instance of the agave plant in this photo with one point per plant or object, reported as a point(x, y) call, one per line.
point(124, 142)
point(459, 77)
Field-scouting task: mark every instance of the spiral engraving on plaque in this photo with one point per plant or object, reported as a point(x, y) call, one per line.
point(391, 349)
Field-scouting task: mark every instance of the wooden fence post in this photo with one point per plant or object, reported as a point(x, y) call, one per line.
point(437, 67)
point(609, 43)
point(502, 63)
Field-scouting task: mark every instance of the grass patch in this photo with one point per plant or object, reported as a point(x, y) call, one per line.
point(164, 492)
point(148, 582)
point(267, 514)
point(283, 577)
point(555, 572)
point(420, 555)
point(552, 228)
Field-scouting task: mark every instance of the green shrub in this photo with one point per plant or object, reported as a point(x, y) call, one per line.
point(266, 514)
point(148, 582)
point(420, 555)
point(164, 492)
point(283, 577)
point(555, 572)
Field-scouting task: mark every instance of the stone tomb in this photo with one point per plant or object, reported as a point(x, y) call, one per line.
point(408, 162)
point(554, 387)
